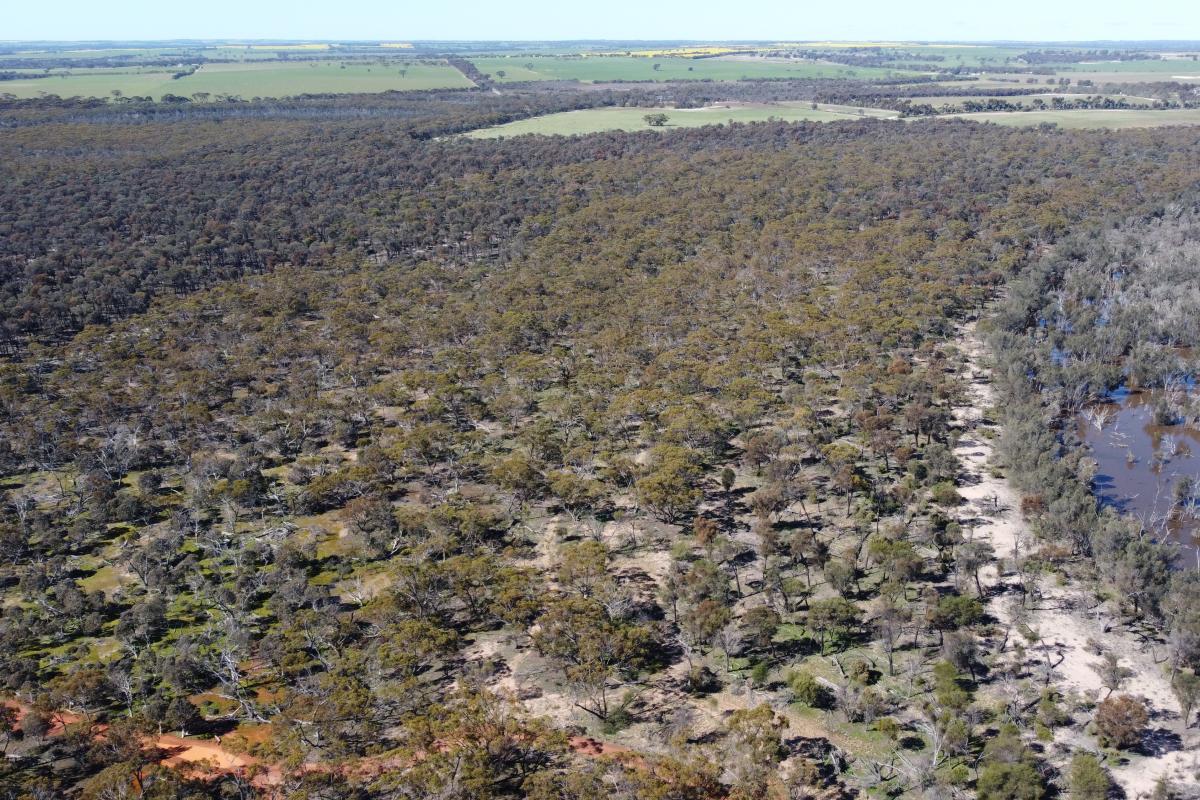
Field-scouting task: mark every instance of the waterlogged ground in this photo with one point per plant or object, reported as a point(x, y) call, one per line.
point(1141, 462)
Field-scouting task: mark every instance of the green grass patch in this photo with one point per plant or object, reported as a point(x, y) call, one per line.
point(599, 69)
point(106, 579)
point(936, 55)
point(105, 649)
point(790, 632)
point(281, 79)
point(1160, 67)
point(245, 79)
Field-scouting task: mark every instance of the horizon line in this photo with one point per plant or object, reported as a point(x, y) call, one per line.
point(577, 40)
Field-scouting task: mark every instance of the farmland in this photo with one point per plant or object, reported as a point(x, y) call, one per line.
point(276, 79)
point(940, 54)
point(598, 69)
point(247, 79)
point(1097, 119)
point(98, 82)
point(1160, 67)
point(1023, 99)
point(594, 120)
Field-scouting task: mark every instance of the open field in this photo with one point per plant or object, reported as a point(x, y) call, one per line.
point(944, 55)
point(139, 52)
point(101, 82)
point(247, 79)
point(631, 68)
point(275, 79)
point(1182, 74)
point(1169, 66)
point(1101, 72)
point(594, 120)
point(991, 82)
point(958, 100)
point(1089, 118)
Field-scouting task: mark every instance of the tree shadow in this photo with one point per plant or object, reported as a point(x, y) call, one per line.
point(1158, 742)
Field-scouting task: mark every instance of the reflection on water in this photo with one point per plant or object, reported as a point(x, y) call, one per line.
point(1147, 449)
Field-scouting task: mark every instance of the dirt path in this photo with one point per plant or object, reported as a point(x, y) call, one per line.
point(196, 755)
point(193, 752)
point(1067, 629)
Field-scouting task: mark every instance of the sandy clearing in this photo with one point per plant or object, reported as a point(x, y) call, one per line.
point(199, 756)
point(200, 752)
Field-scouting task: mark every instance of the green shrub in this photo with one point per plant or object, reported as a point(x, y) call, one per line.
point(759, 673)
point(888, 727)
point(959, 775)
point(809, 691)
point(945, 494)
point(1089, 779)
point(1006, 781)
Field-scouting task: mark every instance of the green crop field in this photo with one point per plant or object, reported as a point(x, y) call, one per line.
point(247, 79)
point(95, 83)
point(935, 54)
point(1100, 72)
point(1089, 119)
point(594, 120)
point(54, 55)
point(597, 69)
point(280, 79)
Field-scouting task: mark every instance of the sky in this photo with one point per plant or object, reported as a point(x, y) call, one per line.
point(776, 20)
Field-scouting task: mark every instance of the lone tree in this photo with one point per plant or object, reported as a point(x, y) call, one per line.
point(656, 120)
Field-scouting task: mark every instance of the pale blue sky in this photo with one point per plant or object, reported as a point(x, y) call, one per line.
point(975, 20)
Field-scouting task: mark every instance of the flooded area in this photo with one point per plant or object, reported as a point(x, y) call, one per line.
point(1147, 448)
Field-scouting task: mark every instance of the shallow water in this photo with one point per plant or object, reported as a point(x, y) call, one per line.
point(1140, 462)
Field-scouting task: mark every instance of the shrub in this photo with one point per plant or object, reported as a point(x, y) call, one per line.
point(888, 727)
point(808, 691)
point(1007, 781)
point(860, 672)
point(1049, 712)
point(945, 494)
point(759, 673)
point(701, 680)
point(619, 718)
point(1089, 779)
point(1120, 721)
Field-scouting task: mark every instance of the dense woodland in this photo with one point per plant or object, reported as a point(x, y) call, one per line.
point(402, 465)
point(284, 185)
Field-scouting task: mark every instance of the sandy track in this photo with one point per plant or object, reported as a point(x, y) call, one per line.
point(1061, 617)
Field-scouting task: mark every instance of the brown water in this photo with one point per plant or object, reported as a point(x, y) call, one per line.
point(1140, 462)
